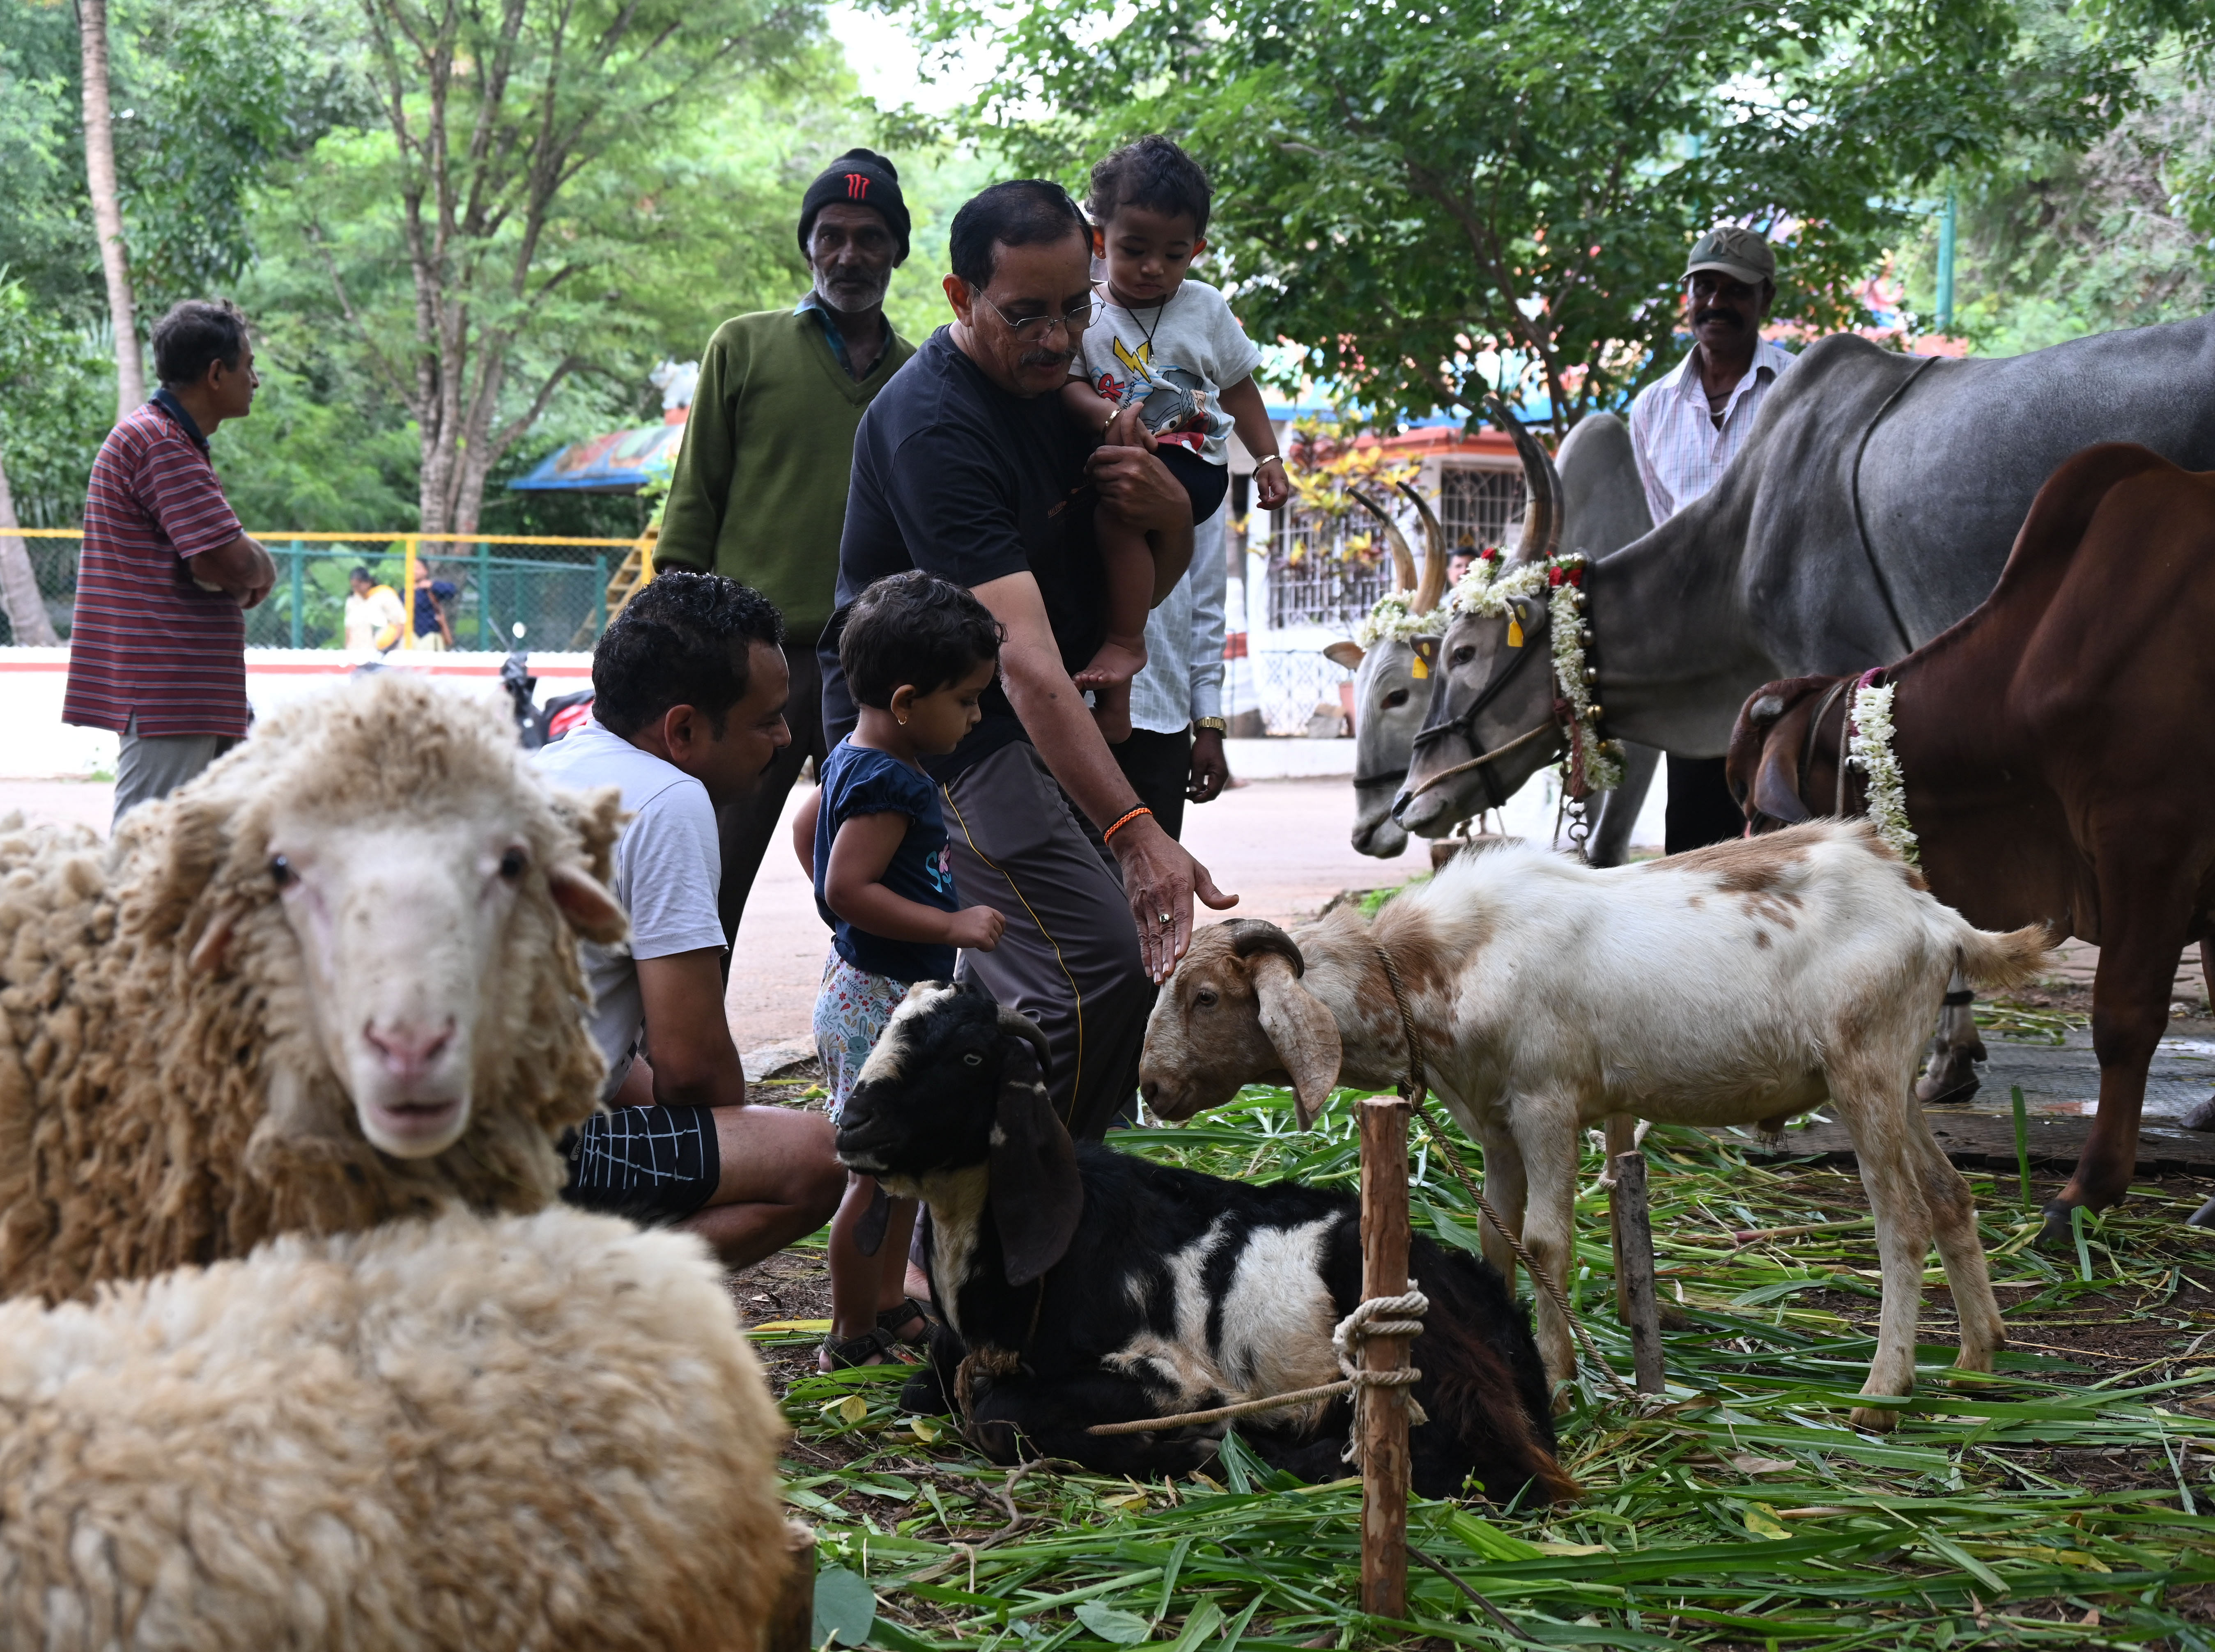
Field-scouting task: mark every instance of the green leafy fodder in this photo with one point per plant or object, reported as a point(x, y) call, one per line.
point(1744, 1512)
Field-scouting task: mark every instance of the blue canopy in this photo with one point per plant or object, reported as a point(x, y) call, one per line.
point(618, 462)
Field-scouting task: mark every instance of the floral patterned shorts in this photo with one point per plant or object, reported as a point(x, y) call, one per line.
point(851, 1009)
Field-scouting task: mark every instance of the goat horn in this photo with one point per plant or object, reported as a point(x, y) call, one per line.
point(1403, 559)
point(1252, 935)
point(1016, 1024)
point(1541, 515)
point(1435, 552)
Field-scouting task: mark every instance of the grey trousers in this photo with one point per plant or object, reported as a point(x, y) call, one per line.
point(149, 767)
point(1069, 957)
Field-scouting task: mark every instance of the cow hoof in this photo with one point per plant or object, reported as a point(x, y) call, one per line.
point(1869, 1420)
point(1948, 1084)
point(2203, 1217)
point(2055, 1235)
point(2201, 1117)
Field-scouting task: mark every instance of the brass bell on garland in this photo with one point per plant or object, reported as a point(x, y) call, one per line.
point(1592, 715)
point(1591, 674)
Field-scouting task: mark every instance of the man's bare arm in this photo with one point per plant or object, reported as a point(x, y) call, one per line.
point(240, 569)
point(687, 1037)
point(1158, 876)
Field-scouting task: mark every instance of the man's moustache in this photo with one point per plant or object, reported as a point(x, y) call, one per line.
point(1703, 317)
point(1048, 358)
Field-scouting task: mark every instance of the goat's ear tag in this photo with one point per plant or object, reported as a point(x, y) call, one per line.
point(1514, 633)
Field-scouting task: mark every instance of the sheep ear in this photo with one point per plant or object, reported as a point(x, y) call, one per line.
point(597, 816)
point(869, 1231)
point(1302, 1030)
point(1037, 1195)
point(590, 909)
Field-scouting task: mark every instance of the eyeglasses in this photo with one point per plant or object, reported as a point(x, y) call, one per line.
point(1037, 326)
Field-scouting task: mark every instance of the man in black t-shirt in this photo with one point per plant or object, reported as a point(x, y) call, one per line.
point(967, 466)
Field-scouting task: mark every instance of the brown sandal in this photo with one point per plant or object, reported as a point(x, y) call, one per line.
point(889, 1320)
point(870, 1347)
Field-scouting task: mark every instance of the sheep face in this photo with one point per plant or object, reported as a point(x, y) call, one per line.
point(1236, 1013)
point(400, 922)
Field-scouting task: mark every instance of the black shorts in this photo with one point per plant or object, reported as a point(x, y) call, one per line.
point(654, 1164)
point(1206, 484)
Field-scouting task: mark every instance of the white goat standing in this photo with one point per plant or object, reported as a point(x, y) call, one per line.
point(1738, 984)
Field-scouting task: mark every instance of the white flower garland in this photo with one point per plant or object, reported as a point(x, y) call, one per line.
point(1393, 619)
point(1485, 593)
point(1870, 750)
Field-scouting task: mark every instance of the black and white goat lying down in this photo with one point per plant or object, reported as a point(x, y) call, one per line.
point(1080, 1286)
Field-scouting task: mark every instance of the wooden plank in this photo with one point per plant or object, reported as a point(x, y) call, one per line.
point(1635, 1255)
point(1385, 1469)
point(1987, 1142)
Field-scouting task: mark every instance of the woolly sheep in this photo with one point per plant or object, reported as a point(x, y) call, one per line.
point(544, 1431)
point(325, 985)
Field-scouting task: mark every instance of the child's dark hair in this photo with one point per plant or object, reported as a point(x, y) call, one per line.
point(684, 640)
point(914, 629)
point(1153, 173)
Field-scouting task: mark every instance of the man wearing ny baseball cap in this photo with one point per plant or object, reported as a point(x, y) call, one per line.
point(759, 492)
point(1686, 426)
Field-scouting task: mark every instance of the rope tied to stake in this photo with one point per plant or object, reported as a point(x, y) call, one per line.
point(1367, 1319)
point(1379, 1316)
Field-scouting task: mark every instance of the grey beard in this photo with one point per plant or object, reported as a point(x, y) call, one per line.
point(876, 297)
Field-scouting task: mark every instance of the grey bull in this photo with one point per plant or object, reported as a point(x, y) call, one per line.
point(1603, 508)
point(1873, 506)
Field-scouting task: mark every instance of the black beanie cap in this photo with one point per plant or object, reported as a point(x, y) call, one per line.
point(864, 178)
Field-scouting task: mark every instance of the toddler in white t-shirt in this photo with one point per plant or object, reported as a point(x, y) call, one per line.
point(1165, 366)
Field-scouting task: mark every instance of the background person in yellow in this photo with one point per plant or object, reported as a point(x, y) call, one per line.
point(373, 615)
point(759, 491)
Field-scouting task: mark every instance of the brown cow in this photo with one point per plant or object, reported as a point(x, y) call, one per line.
point(2058, 756)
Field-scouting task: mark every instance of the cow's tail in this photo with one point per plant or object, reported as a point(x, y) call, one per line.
point(1997, 960)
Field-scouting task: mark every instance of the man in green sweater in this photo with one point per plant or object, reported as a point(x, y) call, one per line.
point(759, 492)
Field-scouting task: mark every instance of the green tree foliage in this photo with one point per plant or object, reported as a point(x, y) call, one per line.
point(519, 183)
point(1419, 189)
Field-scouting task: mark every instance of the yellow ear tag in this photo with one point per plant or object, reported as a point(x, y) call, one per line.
point(1421, 669)
point(1514, 633)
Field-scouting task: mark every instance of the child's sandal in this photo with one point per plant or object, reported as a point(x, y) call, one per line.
point(870, 1347)
point(905, 1311)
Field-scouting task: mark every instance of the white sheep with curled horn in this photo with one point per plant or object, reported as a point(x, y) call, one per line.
point(330, 983)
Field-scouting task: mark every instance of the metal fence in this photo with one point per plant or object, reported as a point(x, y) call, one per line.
point(543, 592)
point(1287, 687)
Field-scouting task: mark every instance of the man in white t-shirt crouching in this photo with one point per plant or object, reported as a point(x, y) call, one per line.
point(688, 690)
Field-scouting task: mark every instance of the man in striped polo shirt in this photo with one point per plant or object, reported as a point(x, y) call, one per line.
point(158, 647)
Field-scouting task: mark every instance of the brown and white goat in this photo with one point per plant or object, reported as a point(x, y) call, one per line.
point(1738, 984)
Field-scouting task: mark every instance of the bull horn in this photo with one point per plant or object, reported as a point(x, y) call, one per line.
point(1403, 559)
point(1435, 552)
point(1541, 515)
point(1252, 935)
point(1016, 1024)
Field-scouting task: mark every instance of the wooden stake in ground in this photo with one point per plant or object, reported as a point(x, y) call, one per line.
point(1383, 1412)
point(1635, 1259)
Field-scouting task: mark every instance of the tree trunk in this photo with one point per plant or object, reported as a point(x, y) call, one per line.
point(106, 212)
point(18, 584)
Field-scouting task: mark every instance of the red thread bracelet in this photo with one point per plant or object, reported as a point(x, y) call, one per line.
point(1110, 833)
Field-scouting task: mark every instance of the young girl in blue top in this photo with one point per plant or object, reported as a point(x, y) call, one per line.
point(918, 651)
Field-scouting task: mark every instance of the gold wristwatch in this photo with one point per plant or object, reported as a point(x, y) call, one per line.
point(1213, 724)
